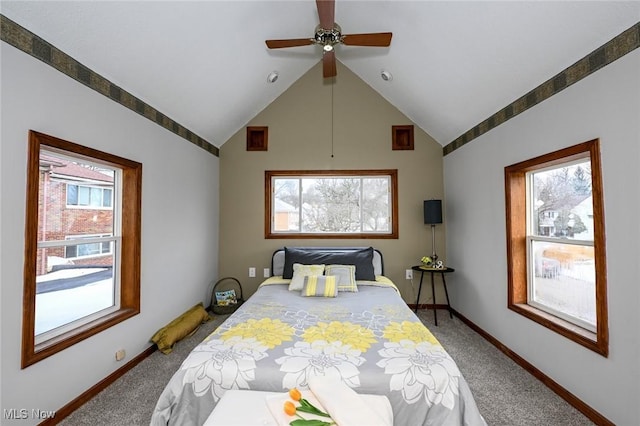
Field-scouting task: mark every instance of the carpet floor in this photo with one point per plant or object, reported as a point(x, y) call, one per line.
point(506, 394)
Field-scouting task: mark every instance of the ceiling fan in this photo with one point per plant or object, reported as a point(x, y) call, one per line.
point(328, 34)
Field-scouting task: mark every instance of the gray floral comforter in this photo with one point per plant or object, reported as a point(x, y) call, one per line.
point(278, 339)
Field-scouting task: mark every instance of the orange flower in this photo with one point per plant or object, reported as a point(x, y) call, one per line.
point(289, 408)
point(295, 394)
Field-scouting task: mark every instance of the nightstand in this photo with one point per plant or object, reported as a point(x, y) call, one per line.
point(433, 272)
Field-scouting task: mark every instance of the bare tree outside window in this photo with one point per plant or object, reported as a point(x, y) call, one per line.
point(331, 205)
point(557, 193)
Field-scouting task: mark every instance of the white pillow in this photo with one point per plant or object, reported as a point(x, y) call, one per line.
point(346, 276)
point(300, 271)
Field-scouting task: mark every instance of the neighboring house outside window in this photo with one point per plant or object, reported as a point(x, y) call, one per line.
point(82, 254)
point(78, 204)
point(95, 251)
point(556, 245)
point(88, 196)
point(285, 216)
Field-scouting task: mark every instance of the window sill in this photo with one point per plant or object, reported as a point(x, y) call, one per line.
point(63, 341)
point(571, 331)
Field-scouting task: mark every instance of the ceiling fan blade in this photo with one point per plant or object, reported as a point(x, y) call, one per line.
point(329, 64)
point(373, 39)
point(326, 12)
point(292, 42)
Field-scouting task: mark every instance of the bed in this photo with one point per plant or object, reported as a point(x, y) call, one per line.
point(366, 336)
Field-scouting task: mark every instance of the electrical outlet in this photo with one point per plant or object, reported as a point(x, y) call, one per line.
point(266, 273)
point(408, 274)
point(252, 272)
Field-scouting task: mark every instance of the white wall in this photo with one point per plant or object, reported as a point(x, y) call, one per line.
point(605, 105)
point(179, 225)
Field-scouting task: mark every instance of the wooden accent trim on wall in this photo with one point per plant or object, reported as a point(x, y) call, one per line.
point(94, 390)
point(257, 138)
point(402, 138)
point(573, 400)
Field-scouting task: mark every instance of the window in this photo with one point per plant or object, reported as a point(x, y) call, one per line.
point(82, 245)
point(88, 196)
point(555, 243)
point(331, 204)
point(98, 248)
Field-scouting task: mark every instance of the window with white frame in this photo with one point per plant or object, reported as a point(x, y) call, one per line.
point(89, 196)
point(331, 204)
point(100, 246)
point(556, 245)
point(82, 291)
point(560, 256)
point(82, 265)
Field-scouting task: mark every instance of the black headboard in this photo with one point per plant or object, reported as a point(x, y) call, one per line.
point(277, 259)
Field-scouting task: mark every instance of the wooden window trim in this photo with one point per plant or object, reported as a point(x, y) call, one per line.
point(515, 194)
point(393, 173)
point(130, 250)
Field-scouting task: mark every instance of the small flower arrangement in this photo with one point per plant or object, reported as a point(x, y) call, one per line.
point(427, 261)
point(305, 406)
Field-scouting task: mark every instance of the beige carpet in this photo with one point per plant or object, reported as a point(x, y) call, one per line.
point(506, 394)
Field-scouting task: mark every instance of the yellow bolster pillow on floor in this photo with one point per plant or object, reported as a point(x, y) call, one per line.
point(180, 328)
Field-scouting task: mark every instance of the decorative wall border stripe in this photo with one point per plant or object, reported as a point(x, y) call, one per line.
point(25, 40)
point(617, 47)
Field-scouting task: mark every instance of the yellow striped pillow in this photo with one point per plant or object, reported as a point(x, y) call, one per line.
point(320, 285)
point(300, 271)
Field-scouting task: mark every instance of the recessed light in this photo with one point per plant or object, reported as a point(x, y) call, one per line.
point(272, 77)
point(386, 75)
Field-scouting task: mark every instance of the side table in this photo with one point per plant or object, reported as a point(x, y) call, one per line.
point(434, 271)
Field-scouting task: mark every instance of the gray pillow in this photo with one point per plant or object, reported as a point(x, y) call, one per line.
point(361, 258)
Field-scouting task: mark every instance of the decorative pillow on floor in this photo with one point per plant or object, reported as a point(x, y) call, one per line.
point(300, 271)
point(181, 327)
point(320, 285)
point(346, 275)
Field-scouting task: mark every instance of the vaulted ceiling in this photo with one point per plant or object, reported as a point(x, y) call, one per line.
point(205, 63)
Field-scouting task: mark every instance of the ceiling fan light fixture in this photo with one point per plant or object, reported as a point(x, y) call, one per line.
point(386, 75)
point(272, 77)
point(328, 34)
